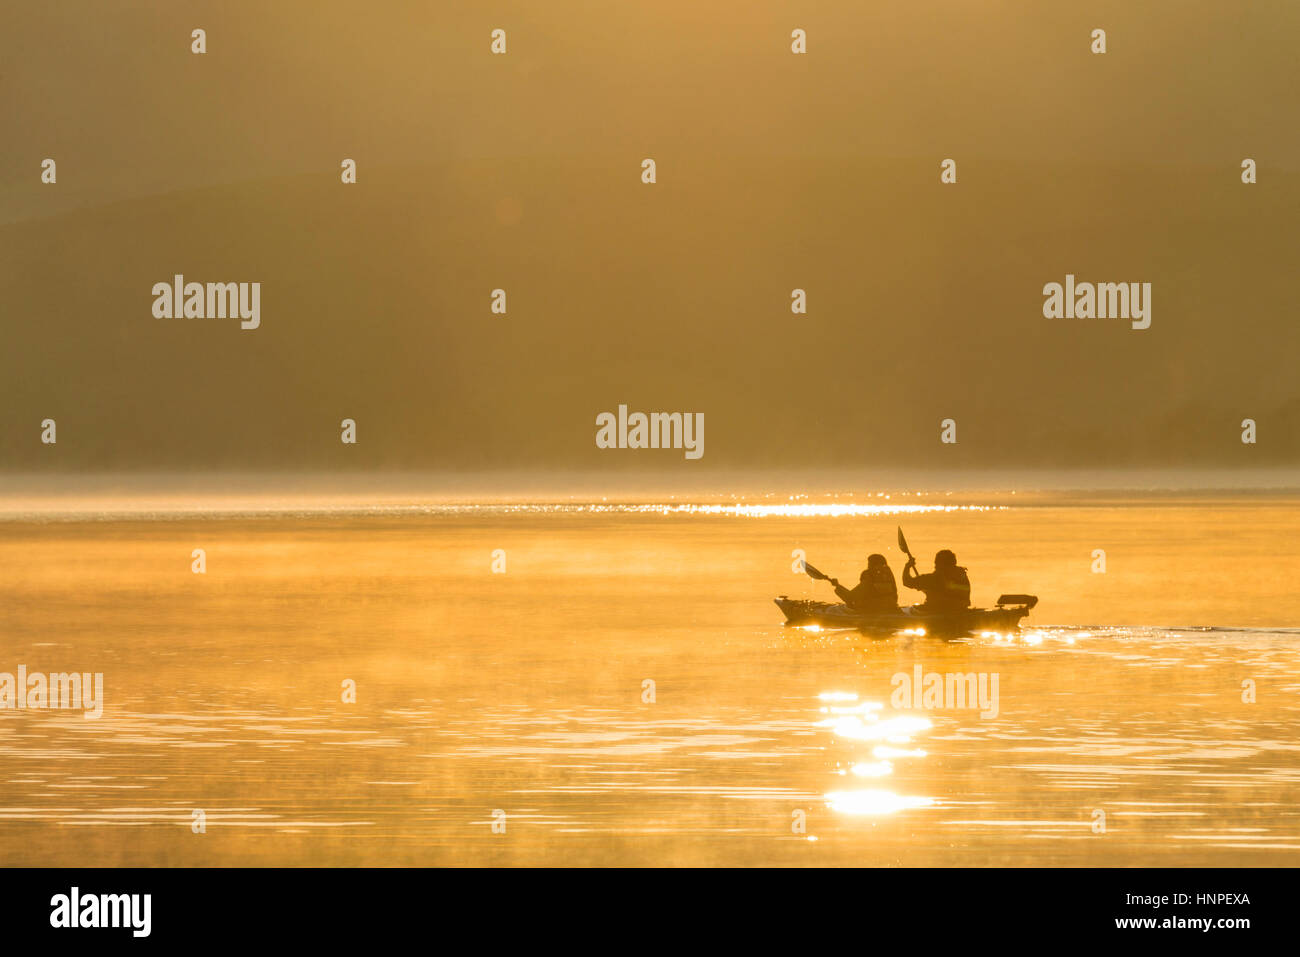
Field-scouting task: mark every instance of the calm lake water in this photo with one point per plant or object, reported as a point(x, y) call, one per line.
point(525, 692)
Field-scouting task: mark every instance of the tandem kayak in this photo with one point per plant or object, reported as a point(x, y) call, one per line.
point(1006, 616)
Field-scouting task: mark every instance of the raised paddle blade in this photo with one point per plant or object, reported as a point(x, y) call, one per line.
point(815, 574)
point(902, 543)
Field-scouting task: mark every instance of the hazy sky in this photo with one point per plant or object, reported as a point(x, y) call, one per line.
point(523, 171)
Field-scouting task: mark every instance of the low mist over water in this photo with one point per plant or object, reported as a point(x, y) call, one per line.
point(520, 697)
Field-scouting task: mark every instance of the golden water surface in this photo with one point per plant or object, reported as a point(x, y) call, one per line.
point(522, 699)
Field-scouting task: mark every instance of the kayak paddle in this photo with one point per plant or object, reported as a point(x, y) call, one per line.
point(814, 574)
point(820, 576)
point(902, 543)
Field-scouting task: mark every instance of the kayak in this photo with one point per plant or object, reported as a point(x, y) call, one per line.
point(1006, 616)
